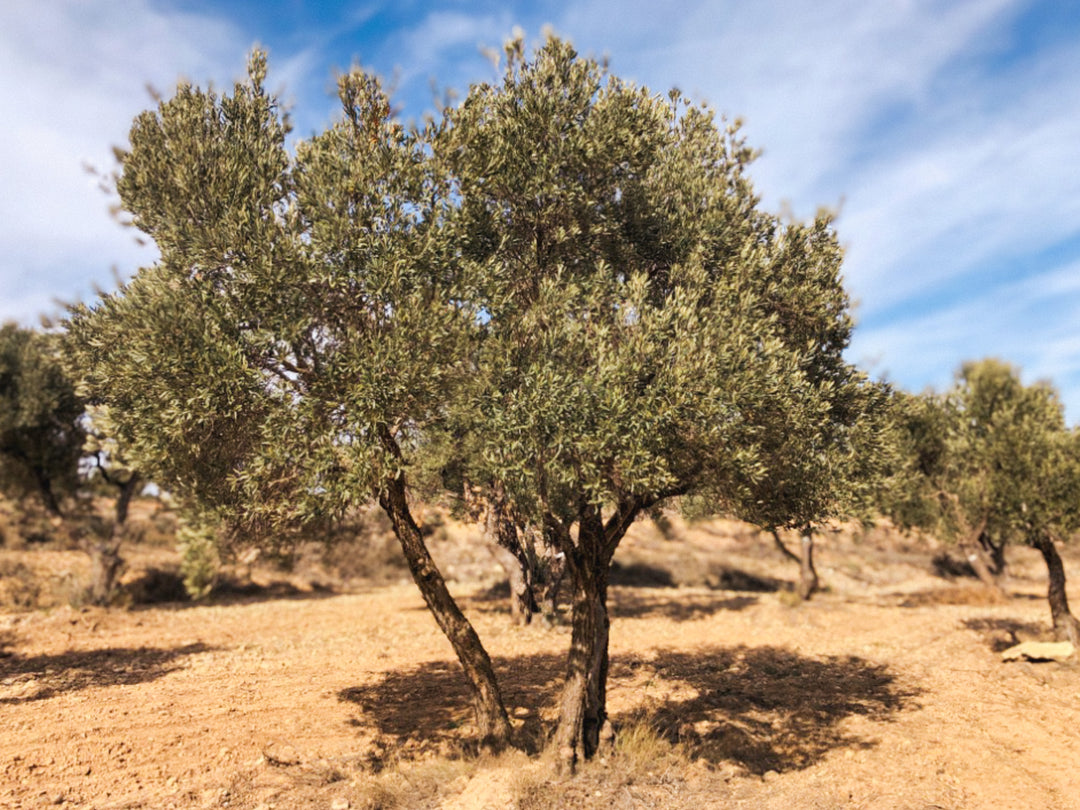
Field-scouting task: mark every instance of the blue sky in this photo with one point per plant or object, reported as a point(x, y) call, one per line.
point(947, 134)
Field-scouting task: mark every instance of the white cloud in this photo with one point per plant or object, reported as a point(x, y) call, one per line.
point(978, 187)
point(956, 171)
point(1029, 322)
point(74, 76)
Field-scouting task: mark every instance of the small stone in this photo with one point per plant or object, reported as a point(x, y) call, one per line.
point(340, 803)
point(281, 754)
point(1040, 651)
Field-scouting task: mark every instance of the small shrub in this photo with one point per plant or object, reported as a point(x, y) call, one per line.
point(199, 560)
point(20, 586)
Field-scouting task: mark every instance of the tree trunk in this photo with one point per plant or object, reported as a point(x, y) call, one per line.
point(783, 549)
point(583, 722)
point(48, 497)
point(492, 722)
point(517, 559)
point(977, 557)
point(518, 575)
point(105, 560)
point(583, 709)
point(551, 567)
point(1066, 627)
point(105, 565)
point(123, 500)
point(808, 578)
point(994, 554)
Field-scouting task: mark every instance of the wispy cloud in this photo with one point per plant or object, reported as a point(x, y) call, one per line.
point(74, 75)
point(949, 142)
point(1029, 322)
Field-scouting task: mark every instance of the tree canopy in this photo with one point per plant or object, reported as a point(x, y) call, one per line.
point(566, 286)
point(648, 330)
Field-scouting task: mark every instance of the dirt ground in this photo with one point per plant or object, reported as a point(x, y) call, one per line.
point(886, 691)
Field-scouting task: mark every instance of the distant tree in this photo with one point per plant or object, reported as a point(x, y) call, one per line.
point(829, 470)
point(992, 457)
point(921, 492)
point(108, 464)
point(41, 438)
point(647, 331)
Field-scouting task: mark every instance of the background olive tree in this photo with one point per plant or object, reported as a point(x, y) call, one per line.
point(987, 463)
point(41, 434)
point(106, 463)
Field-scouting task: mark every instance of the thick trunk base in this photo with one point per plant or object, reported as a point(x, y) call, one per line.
point(583, 722)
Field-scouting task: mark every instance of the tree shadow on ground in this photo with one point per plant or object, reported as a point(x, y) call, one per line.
point(164, 596)
point(640, 575)
point(1001, 634)
point(629, 602)
point(428, 708)
point(945, 566)
point(974, 594)
point(768, 708)
point(765, 708)
point(686, 607)
point(726, 578)
point(44, 676)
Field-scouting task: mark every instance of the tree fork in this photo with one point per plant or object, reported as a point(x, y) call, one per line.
point(977, 557)
point(783, 549)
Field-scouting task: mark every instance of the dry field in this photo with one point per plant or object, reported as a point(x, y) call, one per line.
point(886, 691)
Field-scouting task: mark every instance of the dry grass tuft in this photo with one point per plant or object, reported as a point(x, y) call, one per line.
point(640, 748)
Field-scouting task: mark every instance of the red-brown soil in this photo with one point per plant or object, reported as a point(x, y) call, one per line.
point(886, 691)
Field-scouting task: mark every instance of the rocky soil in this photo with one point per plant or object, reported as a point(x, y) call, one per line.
point(888, 690)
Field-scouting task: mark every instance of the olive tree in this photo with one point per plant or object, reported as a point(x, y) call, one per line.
point(303, 327)
point(828, 474)
point(565, 292)
point(41, 437)
point(647, 330)
point(992, 457)
point(107, 464)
